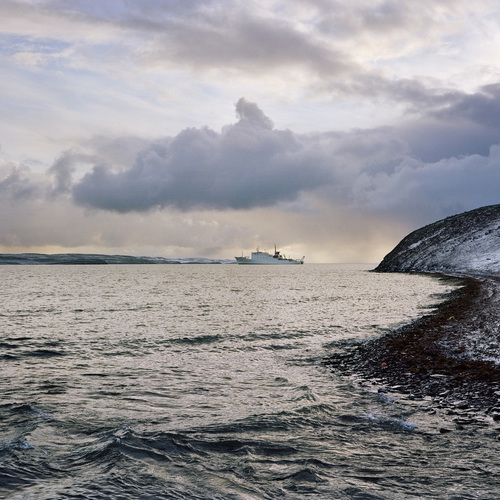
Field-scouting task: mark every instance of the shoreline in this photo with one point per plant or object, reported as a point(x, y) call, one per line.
point(442, 355)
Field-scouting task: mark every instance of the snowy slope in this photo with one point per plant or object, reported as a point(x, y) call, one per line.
point(465, 244)
point(468, 243)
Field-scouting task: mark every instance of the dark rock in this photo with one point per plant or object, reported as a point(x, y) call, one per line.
point(444, 430)
point(447, 354)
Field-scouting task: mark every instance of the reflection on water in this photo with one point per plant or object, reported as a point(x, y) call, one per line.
point(205, 381)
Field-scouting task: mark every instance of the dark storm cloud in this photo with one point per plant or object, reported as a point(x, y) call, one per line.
point(248, 164)
point(482, 107)
point(468, 124)
point(423, 192)
point(450, 161)
point(416, 168)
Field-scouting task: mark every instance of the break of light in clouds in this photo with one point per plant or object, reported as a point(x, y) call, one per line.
point(204, 128)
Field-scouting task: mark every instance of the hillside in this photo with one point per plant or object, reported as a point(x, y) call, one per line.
point(468, 243)
point(452, 354)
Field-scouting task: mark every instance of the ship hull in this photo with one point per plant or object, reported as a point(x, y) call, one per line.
point(247, 261)
point(265, 259)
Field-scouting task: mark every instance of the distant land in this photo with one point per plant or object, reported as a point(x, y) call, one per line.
point(97, 259)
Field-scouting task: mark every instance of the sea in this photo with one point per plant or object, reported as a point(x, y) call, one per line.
point(209, 382)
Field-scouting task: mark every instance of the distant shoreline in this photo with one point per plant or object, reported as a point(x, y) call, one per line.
point(442, 355)
point(98, 259)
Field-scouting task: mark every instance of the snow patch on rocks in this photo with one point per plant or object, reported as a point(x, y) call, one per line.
point(467, 244)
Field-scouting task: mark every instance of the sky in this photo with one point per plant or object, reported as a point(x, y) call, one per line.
point(207, 128)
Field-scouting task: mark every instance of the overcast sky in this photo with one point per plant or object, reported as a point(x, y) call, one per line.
point(206, 128)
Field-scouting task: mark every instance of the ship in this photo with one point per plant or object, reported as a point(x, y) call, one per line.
point(264, 258)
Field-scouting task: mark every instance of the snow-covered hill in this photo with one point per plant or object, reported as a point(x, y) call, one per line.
point(468, 243)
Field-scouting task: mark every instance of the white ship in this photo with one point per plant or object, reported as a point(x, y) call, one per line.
point(265, 258)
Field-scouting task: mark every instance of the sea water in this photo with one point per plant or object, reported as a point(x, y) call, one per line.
point(208, 382)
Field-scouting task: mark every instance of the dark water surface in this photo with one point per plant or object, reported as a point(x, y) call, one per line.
point(206, 381)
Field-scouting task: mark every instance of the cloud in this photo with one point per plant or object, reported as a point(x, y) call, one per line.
point(251, 164)
point(17, 186)
point(151, 68)
point(482, 108)
point(196, 34)
point(335, 48)
point(468, 124)
point(246, 165)
point(424, 192)
point(64, 168)
point(249, 112)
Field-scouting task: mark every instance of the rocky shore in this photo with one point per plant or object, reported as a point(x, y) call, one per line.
point(451, 355)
